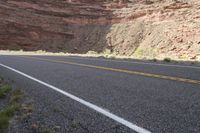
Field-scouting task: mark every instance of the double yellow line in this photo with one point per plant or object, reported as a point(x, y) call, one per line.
point(121, 70)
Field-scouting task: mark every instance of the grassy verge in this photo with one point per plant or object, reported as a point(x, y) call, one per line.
point(7, 113)
point(138, 55)
point(4, 90)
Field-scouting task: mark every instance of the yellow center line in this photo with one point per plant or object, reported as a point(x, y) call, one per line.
point(121, 70)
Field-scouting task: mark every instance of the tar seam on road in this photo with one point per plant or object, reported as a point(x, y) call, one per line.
point(86, 103)
point(121, 70)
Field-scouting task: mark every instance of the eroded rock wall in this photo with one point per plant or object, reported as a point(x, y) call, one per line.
point(47, 25)
point(140, 28)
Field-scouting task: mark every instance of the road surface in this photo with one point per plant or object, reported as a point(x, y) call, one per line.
point(111, 95)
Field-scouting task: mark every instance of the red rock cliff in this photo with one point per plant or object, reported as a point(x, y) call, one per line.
point(154, 28)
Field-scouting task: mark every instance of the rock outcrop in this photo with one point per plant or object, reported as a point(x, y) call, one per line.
point(140, 28)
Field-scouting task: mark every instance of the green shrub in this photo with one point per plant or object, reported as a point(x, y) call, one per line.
point(10, 110)
point(154, 60)
point(139, 53)
point(14, 46)
point(4, 90)
point(4, 122)
point(16, 95)
point(6, 114)
point(167, 60)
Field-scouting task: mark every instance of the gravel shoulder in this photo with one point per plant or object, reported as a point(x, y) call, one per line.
point(43, 111)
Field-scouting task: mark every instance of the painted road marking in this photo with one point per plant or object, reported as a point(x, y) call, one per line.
point(134, 62)
point(86, 103)
point(121, 70)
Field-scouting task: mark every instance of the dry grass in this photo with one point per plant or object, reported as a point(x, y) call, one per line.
point(16, 96)
point(7, 113)
point(4, 90)
point(138, 56)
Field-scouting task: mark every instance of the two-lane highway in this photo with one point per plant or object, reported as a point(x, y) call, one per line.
point(141, 97)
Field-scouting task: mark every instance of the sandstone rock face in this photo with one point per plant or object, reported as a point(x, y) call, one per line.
point(45, 25)
point(140, 28)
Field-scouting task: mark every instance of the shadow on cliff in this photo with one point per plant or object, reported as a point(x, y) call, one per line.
point(40, 30)
point(82, 39)
point(88, 29)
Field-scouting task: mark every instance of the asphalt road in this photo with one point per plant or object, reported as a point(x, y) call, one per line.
point(159, 98)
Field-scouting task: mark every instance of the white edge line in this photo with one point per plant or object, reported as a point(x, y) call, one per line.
point(88, 104)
